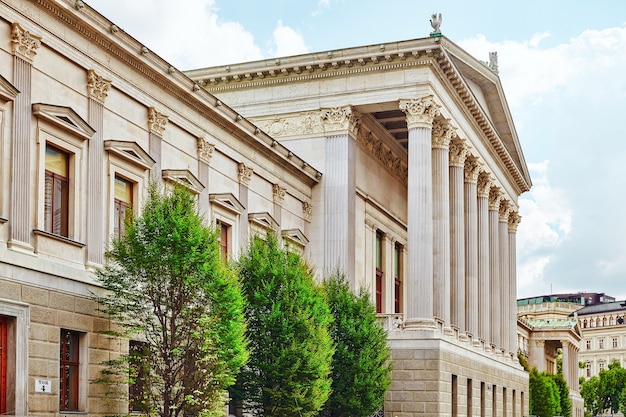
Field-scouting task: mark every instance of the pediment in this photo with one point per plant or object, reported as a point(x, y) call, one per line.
point(130, 151)
point(65, 118)
point(263, 220)
point(295, 236)
point(8, 92)
point(228, 202)
point(183, 177)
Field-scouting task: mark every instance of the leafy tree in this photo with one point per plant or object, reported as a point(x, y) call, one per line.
point(288, 373)
point(605, 391)
point(167, 285)
point(361, 368)
point(544, 395)
point(564, 400)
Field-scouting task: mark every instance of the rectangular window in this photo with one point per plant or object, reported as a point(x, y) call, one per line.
point(482, 399)
point(4, 350)
point(379, 271)
point(56, 192)
point(123, 202)
point(614, 342)
point(504, 404)
point(223, 241)
point(494, 401)
point(470, 396)
point(138, 369)
point(601, 344)
point(69, 369)
point(455, 390)
point(397, 287)
point(588, 344)
point(588, 369)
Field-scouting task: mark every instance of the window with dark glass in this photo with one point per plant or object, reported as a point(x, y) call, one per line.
point(379, 271)
point(224, 231)
point(123, 201)
point(56, 191)
point(68, 374)
point(138, 376)
point(4, 353)
point(397, 282)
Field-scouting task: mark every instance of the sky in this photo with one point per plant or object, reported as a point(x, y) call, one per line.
point(562, 65)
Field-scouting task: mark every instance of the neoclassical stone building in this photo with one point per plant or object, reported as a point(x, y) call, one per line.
point(418, 202)
point(398, 163)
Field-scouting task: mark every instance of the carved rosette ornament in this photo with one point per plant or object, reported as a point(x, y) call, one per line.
point(484, 184)
point(420, 112)
point(97, 86)
point(458, 152)
point(472, 169)
point(307, 211)
point(205, 150)
point(279, 194)
point(24, 43)
point(340, 120)
point(156, 121)
point(504, 210)
point(495, 196)
point(245, 174)
point(514, 221)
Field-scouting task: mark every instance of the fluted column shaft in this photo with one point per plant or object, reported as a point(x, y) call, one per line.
point(494, 266)
point(458, 153)
point(419, 278)
point(470, 224)
point(95, 196)
point(514, 220)
point(484, 282)
point(505, 295)
point(567, 370)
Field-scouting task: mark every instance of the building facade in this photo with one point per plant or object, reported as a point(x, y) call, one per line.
point(398, 163)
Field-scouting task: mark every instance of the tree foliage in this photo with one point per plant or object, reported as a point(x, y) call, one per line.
point(606, 391)
point(168, 287)
point(545, 399)
point(361, 368)
point(288, 373)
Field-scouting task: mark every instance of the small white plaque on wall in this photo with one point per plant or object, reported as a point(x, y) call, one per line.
point(43, 385)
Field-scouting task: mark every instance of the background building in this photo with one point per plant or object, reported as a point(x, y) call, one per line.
point(398, 163)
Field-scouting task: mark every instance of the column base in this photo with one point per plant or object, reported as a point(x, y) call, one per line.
point(419, 323)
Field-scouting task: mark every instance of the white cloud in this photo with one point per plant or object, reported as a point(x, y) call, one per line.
point(530, 277)
point(287, 41)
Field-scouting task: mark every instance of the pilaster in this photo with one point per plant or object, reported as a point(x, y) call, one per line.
point(157, 122)
point(245, 174)
point(205, 153)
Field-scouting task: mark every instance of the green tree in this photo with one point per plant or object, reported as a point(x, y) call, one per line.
point(544, 398)
point(167, 285)
point(288, 373)
point(361, 367)
point(605, 391)
point(564, 400)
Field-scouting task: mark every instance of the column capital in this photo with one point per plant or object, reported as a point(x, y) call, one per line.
point(307, 210)
point(459, 151)
point(245, 173)
point(205, 150)
point(504, 210)
point(97, 86)
point(495, 196)
point(279, 193)
point(156, 121)
point(443, 133)
point(340, 120)
point(420, 112)
point(485, 182)
point(514, 221)
point(472, 169)
point(24, 43)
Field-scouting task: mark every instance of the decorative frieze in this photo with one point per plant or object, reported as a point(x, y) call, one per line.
point(97, 86)
point(377, 149)
point(458, 152)
point(420, 112)
point(306, 123)
point(307, 211)
point(472, 169)
point(245, 174)
point(279, 193)
point(156, 121)
point(24, 43)
point(205, 150)
point(514, 221)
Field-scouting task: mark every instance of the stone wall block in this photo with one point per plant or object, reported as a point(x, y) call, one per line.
point(35, 296)
point(42, 315)
point(43, 350)
point(73, 321)
point(38, 331)
point(11, 290)
point(61, 301)
point(86, 306)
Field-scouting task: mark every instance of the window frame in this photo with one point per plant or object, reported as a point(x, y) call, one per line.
point(75, 385)
point(225, 208)
point(379, 275)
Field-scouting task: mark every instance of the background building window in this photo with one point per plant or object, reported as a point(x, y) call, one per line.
point(68, 373)
point(223, 241)
point(397, 270)
point(588, 344)
point(56, 192)
point(601, 344)
point(601, 365)
point(588, 369)
point(379, 272)
point(123, 201)
point(614, 342)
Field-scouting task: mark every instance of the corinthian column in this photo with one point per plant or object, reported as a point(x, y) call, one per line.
point(495, 195)
point(442, 134)
point(505, 294)
point(420, 115)
point(484, 285)
point(458, 153)
point(514, 221)
point(472, 169)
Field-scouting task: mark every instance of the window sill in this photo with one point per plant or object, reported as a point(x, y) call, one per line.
point(61, 239)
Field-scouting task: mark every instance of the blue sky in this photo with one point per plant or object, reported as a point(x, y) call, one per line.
point(562, 65)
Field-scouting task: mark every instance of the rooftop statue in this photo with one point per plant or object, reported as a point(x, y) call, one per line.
point(435, 22)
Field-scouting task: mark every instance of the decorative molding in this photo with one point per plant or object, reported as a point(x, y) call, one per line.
point(130, 151)
point(306, 123)
point(504, 210)
point(307, 211)
point(97, 86)
point(205, 150)
point(156, 121)
point(295, 236)
point(485, 181)
point(8, 92)
point(378, 150)
point(65, 118)
point(459, 151)
point(472, 169)
point(514, 221)
point(24, 43)
point(183, 177)
point(263, 220)
point(279, 193)
point(420, 112)
point(245, 174)
point(340, 120)
point(442, 134)
point(495, 196)
point(227, 201)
